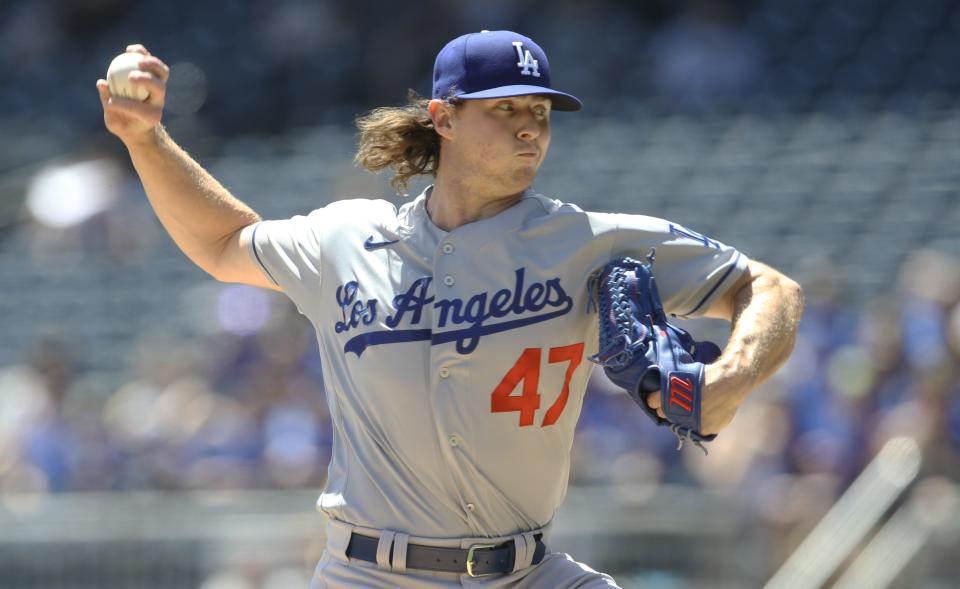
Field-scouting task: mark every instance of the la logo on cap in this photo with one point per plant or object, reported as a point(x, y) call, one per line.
point(527, 64)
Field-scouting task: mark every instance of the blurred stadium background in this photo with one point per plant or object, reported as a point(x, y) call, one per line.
point(158, 429)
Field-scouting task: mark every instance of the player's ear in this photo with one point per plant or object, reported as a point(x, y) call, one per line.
point(442, 115)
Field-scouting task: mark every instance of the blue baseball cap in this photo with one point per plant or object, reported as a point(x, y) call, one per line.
point(496, 64)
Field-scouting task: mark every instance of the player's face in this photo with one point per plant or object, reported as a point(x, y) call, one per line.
point(503, 139)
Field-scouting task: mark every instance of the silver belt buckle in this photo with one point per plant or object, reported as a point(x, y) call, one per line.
point(471, 561)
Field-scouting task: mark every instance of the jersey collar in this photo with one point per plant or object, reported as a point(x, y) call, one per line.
point(420, 233)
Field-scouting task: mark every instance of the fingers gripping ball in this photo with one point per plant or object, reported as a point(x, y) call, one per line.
point(643, 353)
point(118, 77)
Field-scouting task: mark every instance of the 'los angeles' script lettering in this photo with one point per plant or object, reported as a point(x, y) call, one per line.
point(528, 303)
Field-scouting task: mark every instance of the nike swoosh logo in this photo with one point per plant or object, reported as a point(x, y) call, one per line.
point(369, 244)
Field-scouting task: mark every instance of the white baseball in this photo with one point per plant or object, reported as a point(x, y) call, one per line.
point(118, 76)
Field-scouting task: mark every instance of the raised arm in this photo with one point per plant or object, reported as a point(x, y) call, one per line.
point(203, 218)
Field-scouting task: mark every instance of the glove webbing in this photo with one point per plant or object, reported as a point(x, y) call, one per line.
point(619, 350)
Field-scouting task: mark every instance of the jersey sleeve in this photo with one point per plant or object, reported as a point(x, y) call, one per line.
point(288, 252)
point(692, 270)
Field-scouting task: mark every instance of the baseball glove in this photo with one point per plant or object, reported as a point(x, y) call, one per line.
point(643, 353)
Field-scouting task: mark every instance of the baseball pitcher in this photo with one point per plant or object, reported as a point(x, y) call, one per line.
point(457, 332)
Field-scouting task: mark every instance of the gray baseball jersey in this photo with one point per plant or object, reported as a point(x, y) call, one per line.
point(455, 362)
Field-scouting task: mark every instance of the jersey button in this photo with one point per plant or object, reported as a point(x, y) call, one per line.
point(448, 280)
point(444, 372)
point(454, 440)
point(447, 248)
point(471, 507)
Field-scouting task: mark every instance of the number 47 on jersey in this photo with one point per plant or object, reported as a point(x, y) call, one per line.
point(526, 370)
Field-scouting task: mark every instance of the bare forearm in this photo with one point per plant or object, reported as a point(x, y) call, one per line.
point(195, 209)
point(765, 315)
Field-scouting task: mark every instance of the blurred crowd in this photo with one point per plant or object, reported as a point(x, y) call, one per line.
point(225, 411)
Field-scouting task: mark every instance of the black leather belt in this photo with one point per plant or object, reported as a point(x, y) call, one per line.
point(478, 560)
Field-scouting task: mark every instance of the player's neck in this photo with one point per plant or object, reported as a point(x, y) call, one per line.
point(453, 204)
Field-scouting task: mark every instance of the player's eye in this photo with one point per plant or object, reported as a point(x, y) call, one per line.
point(505, 106)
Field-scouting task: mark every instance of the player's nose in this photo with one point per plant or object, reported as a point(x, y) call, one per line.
point(529, 128)
point(528, 132)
